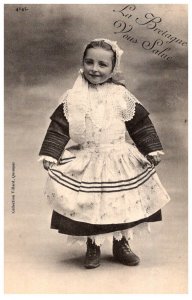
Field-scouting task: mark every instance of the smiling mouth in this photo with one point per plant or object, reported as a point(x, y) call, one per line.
point(92, 75)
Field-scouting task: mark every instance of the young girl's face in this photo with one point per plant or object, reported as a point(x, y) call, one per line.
point(97, 65)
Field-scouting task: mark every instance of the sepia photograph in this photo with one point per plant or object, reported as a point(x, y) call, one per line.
point(96, 148)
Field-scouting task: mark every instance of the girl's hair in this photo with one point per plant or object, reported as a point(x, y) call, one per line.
point(101, 44)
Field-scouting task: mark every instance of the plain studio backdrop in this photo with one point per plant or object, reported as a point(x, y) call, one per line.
point(43, 51)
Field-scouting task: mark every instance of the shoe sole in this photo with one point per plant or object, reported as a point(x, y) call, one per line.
point(91, 267)
point(135, 263)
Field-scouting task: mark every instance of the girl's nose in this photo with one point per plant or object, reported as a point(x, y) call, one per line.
point(95, 67)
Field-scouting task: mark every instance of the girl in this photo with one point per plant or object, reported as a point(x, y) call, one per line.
point(100, 185)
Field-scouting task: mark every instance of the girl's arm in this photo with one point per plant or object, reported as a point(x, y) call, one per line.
point(57, 135)
point(143, 133)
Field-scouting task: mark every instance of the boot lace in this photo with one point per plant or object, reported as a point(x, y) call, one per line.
point(91, 252)
point(125, 246)
point(92, 249)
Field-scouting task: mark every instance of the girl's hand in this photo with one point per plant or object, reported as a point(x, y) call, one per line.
point(154, 159)
point(47, 164)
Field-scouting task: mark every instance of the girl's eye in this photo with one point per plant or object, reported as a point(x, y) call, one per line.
point(103, 65)
point(88, 62)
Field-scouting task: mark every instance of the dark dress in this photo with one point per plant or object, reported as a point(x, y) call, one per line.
point(144, 136)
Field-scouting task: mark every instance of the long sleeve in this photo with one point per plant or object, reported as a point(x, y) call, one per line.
point(57, 135)
point(142, 131)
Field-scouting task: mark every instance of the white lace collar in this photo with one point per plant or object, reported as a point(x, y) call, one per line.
point(76, 103)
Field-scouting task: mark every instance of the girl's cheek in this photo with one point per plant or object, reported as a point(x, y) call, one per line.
point(87, 67)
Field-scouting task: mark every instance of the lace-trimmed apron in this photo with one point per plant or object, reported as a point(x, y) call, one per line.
point(105, 180)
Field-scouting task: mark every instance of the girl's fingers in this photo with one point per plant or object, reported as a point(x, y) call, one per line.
point(47, 164)
point(155, 159)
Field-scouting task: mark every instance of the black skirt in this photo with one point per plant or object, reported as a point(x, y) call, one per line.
point(70, 227)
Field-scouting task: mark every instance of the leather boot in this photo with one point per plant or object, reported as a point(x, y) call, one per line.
point(123, 253)
point(92, 258)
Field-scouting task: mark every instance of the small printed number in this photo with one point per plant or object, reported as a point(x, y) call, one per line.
point(22, 9)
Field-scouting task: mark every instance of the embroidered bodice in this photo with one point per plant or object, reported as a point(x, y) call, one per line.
point(105, 110)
